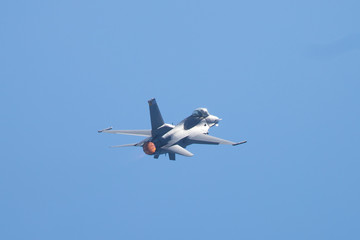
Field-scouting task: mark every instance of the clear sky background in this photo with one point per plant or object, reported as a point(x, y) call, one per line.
point(283, 75)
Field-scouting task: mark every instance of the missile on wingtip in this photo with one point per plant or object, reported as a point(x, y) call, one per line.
point(235, 144)
point(106, 129)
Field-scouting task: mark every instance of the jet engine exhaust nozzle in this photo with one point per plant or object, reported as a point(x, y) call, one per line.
point(149, 148)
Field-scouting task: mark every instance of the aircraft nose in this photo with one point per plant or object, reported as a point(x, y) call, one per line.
point(213, 120)
point(216, 119)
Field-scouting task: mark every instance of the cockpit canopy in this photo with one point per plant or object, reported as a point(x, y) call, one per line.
point(200, 112)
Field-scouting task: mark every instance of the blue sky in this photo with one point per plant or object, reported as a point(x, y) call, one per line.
point(283, 75)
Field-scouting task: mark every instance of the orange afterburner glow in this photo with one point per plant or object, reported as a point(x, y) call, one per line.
point(149, 148)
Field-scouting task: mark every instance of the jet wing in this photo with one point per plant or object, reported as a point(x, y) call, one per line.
point(177, 149)
point(207, 139)
point(146, 133)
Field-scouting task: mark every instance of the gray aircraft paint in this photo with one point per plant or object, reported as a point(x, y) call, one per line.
point(172, 139)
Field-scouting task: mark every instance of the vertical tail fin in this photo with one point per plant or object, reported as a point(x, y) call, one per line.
point(155, 115)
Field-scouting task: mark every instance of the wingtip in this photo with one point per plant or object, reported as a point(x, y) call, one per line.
point(106, 129)
point(235, 144)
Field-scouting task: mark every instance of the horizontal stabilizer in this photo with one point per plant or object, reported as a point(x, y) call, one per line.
point(146, 133)
point(125, 145)
point(179, 150)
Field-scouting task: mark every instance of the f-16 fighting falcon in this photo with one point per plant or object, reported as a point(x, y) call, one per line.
point(164, 138)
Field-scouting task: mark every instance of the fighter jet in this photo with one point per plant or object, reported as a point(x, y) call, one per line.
point(164, 138)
